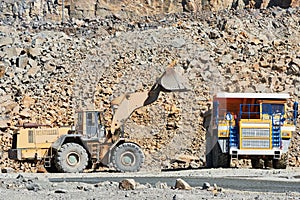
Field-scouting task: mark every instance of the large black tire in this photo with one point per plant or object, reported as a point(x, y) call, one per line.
point(208, 160)
point(128, 157)
point(257, 163)
point(51, 156)
point(71, 158)
point(52, 168)
point(282, 162)
point(220, 159)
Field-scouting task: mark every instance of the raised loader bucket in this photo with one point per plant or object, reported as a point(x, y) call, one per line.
point(172, 81)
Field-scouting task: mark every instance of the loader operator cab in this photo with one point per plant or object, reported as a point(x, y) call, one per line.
point(89, 124)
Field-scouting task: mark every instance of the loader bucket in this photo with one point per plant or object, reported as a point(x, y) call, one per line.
point(172, 81)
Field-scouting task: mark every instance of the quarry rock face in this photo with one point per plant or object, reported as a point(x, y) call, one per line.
point(49, 69)
point(64, 10)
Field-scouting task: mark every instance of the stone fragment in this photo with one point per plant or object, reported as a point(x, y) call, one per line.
point(127, 184)
point(179, 197)
point(22, 61)
point(178, 42)
point(25, 112)
point(34, 52)
point(5, 41)
point(61, 191)
point(2, 71)
point(161, 185)
point(11, 52)
point(182, 185)
point(4, 123)
point(27, 101)
point(205, 185)
point(7, 170)
point(32, 186)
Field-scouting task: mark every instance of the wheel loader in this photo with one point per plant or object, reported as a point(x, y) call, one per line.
point(90, 143)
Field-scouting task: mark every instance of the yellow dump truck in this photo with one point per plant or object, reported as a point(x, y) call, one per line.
point(256, 126)
point(90, 143)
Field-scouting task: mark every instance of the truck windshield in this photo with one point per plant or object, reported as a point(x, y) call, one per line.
point(272, 109)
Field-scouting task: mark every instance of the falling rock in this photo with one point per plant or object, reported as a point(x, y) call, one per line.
point(127, 184)
point(182, 185)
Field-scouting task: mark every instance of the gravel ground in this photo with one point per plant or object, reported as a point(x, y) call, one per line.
point(40, 186)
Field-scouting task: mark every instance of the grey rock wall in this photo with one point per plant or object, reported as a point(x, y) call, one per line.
point(48, 70)
point(64, 10)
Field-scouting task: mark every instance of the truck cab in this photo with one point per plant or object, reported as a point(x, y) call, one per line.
point(256, 126)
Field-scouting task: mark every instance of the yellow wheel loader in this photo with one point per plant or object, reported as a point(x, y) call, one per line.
point(90, 143)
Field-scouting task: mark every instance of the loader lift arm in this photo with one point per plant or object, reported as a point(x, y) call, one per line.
point(170, 81)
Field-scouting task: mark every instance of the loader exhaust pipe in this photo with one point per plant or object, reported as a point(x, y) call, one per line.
point(32, 125)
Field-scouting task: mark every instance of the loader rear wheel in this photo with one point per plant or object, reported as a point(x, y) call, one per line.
point(128, 157)
point(52, 168)
point(71, 158)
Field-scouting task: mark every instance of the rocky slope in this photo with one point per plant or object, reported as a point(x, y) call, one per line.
point(49, 70)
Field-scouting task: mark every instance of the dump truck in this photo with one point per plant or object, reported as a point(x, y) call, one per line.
point(90, 144)
point(255, 126)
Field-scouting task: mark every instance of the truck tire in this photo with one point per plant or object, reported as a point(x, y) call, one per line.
point(257, 163)
point(128, 157)
point(71, 158)
point(282, 162)
point(220, 159)
point(208, 160)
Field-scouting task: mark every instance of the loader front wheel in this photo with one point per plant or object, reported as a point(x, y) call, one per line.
point(71, 158)
point(128, 157)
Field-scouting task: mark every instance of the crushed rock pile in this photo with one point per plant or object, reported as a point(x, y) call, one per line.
point(50, 70)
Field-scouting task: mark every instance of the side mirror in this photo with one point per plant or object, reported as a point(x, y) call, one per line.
point(295, 111)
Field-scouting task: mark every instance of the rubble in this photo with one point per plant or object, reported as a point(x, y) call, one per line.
point(48, 70)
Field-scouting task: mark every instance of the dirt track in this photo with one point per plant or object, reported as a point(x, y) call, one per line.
point(42, 186)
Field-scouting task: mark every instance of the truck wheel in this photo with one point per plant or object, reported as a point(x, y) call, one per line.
point(71, 158)
point(257, 163)
point(282, 162)
point(220, 159)
point(128, 157)
point(208, 160)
